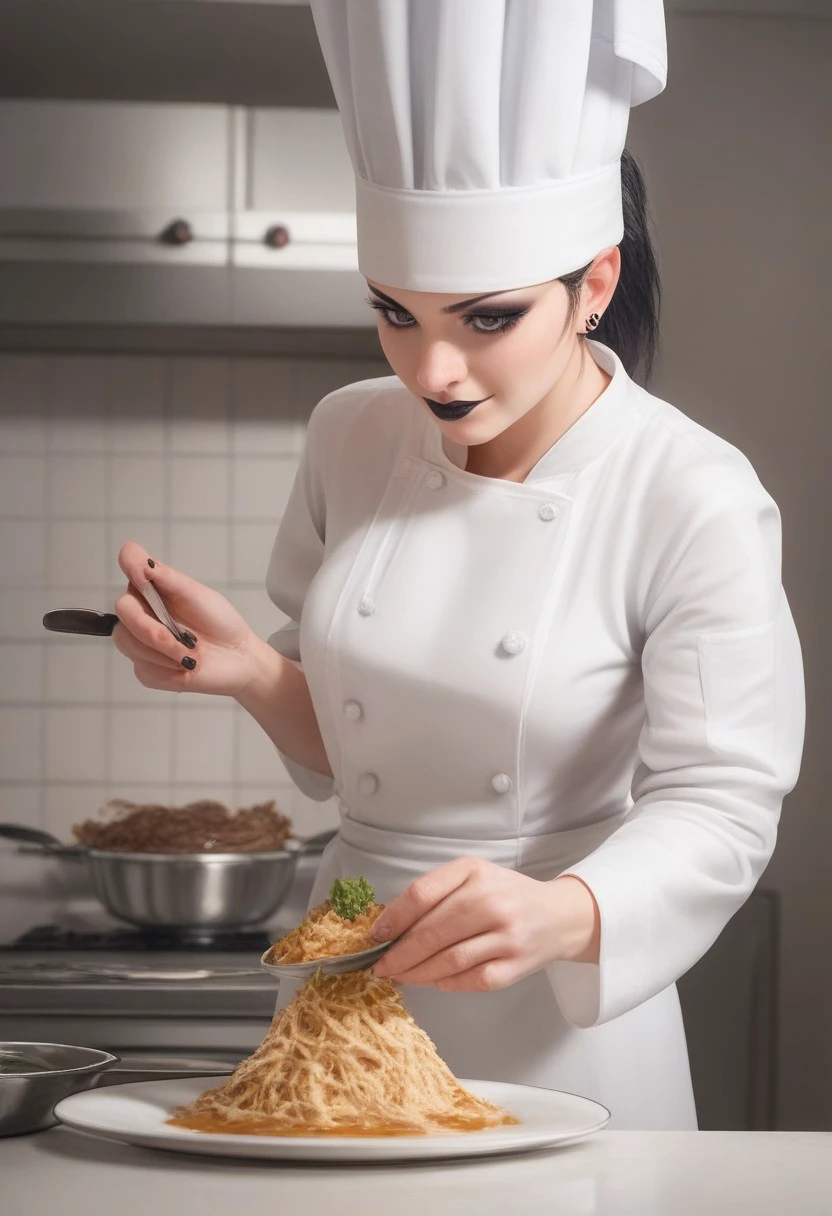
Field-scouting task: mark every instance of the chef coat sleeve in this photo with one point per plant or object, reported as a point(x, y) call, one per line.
point(719, 748)
point(296, 557)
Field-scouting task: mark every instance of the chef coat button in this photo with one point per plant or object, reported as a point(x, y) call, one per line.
point(367, 606)
point(367, 784)
point(435, 480)
point(514, 642)
point(548, 511)
point(501, 783)
point(353, 711)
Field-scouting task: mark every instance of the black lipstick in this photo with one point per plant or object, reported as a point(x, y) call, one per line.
point(454, 410)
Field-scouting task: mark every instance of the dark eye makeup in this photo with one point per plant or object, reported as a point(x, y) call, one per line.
point(505, 318)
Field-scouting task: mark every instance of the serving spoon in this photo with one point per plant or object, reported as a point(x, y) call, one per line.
point(335, 964)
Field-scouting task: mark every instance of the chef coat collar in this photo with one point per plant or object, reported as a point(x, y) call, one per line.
point(595, 430)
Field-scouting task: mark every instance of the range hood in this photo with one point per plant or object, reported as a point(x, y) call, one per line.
point(146, 213)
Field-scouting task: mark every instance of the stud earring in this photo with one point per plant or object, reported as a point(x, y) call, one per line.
point(592, 322)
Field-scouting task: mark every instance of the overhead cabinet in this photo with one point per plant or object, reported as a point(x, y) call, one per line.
point(176, 214)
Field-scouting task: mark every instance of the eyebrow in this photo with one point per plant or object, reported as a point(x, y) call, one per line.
point(463, 304)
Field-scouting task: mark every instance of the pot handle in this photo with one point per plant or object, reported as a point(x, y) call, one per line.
point(22, 834)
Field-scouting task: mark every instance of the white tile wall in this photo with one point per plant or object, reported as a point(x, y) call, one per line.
point(76, 742)
point(77, 553)
point(21, 672)
point(21, 744)
point(22, 486)
point(199, 487)
point(194, 458)
point(78, 487)
point(76, 670)
point(201, 549)
point(138, 406)
point(138, 487)
point(23, 551)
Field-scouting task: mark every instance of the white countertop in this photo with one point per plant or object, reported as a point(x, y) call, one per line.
point(609, 1174)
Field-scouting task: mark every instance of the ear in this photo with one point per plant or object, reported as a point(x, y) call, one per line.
point(600, 282)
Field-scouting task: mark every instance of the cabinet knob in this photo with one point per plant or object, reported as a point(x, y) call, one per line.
point(277, 236)
point(178, 232)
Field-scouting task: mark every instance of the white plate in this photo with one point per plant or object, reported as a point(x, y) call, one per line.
point(136, 1113)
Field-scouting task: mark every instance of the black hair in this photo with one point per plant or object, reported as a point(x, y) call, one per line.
point(630, 325)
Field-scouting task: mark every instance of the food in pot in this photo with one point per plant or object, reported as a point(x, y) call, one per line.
point(205, 826)
point(345, 1058)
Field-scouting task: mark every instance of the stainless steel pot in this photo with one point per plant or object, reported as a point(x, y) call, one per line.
point(34, 1077)
point(190, 890)
point(184, 890)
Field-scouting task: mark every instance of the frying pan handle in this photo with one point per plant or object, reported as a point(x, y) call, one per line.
point(167, 1069)
point(168, 1074)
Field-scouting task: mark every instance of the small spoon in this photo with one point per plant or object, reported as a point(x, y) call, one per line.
point(101, 624)
point(336, 964)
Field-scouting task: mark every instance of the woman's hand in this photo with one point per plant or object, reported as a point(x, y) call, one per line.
point(472, 926)
point(223, 657)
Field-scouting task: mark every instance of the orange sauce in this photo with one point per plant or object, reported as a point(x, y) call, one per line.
point(265, 1127)
point(257, 1126)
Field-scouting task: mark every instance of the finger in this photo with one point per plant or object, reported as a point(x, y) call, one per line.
point(421, 896)
point(452, 921)
point(174, 587)
point(133, 560)
point(138, 621)
point(136, 651)
point(130, 592)
point(462, 957)
point(163, 679)
point(486, 977)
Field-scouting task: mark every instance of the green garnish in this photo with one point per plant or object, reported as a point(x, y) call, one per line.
point(350, 897)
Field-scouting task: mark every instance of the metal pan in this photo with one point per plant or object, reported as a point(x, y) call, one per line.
point(183, 890)
point(34, 1077)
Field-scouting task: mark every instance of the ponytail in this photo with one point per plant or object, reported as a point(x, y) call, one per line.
point(630, 325)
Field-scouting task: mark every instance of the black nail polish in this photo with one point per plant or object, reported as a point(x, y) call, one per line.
point(151, 563)
point(187, 639)
point(189, 662)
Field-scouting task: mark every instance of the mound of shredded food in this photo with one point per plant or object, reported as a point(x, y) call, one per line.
point(198, 827)
point(345, 1058)
point(323, 934)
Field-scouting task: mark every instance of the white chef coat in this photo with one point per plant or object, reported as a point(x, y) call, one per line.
point(594, 672)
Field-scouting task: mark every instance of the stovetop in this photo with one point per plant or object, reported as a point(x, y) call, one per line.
point(119, 939)
point(61, 974)
point(93, 966)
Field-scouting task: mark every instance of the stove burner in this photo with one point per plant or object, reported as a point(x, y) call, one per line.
point(52, 937)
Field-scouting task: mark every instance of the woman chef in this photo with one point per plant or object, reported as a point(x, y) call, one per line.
point(546, 662)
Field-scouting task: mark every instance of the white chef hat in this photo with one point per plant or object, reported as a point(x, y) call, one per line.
point(486, 135)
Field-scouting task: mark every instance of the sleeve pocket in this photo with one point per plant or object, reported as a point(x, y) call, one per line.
point(738, 688)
